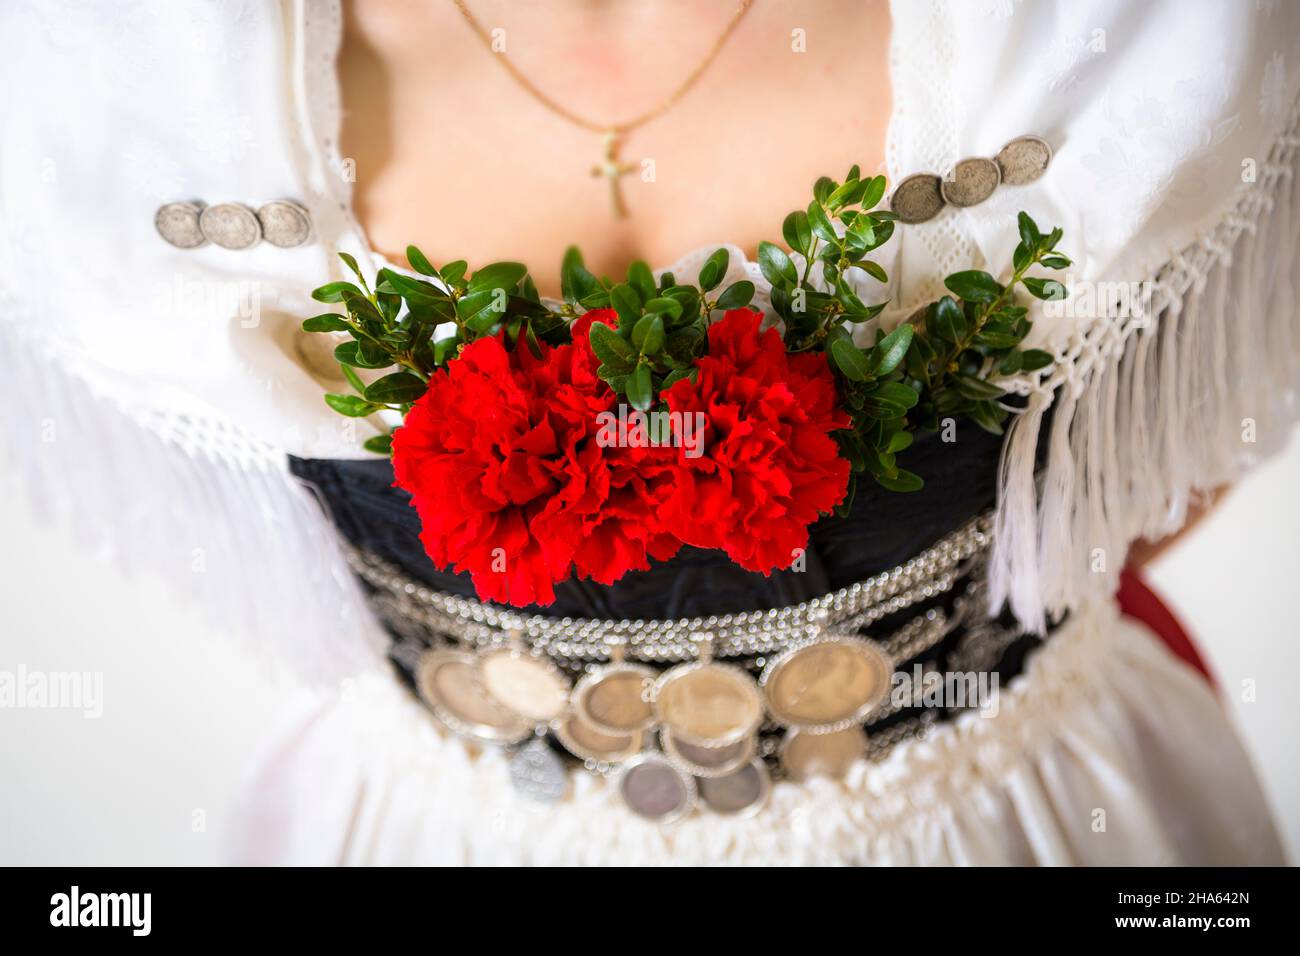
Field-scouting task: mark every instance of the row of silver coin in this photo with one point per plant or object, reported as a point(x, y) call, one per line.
point(666, 782)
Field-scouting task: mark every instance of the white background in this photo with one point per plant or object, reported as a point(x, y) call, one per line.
point(152, 780)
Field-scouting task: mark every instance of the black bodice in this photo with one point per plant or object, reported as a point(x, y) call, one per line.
point(883, 530)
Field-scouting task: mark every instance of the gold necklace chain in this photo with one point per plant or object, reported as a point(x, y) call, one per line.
point(613, 132)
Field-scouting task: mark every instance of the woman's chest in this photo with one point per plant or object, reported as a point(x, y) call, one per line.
point(459, 157)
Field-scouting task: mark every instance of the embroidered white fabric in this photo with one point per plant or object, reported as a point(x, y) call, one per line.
point(158, 390)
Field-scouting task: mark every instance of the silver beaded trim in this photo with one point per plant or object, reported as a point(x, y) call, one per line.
point(932, 572)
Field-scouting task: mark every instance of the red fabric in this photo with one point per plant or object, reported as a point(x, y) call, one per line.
point(1138, 601)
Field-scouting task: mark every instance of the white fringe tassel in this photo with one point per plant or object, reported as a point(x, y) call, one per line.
point(1148, 411)
point(192, 503)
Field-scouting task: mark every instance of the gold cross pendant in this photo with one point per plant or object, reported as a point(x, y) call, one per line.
point(612, 169)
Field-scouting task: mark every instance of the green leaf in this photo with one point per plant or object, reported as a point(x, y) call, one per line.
point(681, 347)
point(676, 375)
point(875, 192)
point(626, 303)
point(1034, 359)
point(379, 444)
point(648, 334)
point(480, 310)
point(333, 291)
point(639, 392)
point(396, 389)
point(610, 347)
point(351, 263)
point(848, 358)
point(454, 271)
point(895, 393)
point(714, 270)
point(736, 296)
point(843, 196)
point(797, 232)
point(899, 441)
point(946, 320)
point(873, 269)
point(892, 349)
point(1029, 233)
point(901, 481)
point(1021, 258)
point(976, 388)
point(823, 188)
point(640, 278)
point(576, 283)
point(350, 353)
point(351, 405)
point(1057, 262)
point(329, 322)
point(988, 416)
point(776, 265)
point(845, 507)
point(821, 224)
point(1048, 289)
point(665, 305)
point(498, 275)
point(419, 263)
point(973, 286)
point(413, 289)
point(353, 379)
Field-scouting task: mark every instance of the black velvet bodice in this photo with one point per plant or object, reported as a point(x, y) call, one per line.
point(883, 530)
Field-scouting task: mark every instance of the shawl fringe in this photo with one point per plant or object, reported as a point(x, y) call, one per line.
point(1151, 410)
point(192, 502)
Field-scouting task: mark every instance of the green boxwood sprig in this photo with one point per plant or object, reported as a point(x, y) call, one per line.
point(944, 361)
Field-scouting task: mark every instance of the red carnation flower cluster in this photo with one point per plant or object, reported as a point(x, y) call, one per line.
point(501, 462)
point(770, 465)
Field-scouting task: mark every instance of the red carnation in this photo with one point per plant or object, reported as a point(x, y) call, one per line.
point(501, 462)
point(770, 466)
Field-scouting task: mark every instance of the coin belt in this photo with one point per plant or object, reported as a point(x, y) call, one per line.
point(671, 709)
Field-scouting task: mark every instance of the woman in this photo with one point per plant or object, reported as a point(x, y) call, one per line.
point(493, 131)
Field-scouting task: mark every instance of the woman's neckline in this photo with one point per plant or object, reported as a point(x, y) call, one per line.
point(316, 80)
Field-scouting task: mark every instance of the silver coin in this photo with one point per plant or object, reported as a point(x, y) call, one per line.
point(917, 198)
point(972, 181)
point(1024, 159)
point(538, 773)
point(742, 793)
point(588, 743)
point(285, 224)
point(447, 681)
point(527, 683)
point(827, 684)
point(707, 703)
point(178, 223)
point(230, 225)
point(614, 698)
point(708, 761)
point(654, 789)
point(822, 755)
